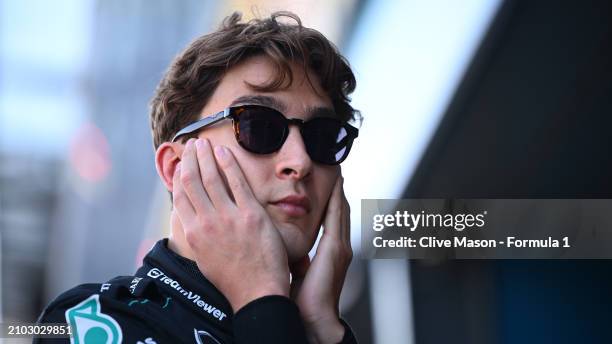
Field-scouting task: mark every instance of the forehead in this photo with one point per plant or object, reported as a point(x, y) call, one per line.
point(300, 97)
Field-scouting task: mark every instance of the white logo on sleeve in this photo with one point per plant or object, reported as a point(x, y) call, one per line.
point(90, 325)
point(203, 337)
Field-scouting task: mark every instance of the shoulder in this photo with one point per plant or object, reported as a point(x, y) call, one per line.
point(109, 292)
point(124, 308)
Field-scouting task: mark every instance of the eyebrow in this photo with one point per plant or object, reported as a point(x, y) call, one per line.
point(311, 111)
point(260, 100)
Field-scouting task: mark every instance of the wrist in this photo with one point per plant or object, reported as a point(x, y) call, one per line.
point(241, 298)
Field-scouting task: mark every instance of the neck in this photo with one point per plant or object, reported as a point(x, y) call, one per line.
point(176, 240)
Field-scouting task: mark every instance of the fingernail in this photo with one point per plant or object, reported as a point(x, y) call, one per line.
point(199, 144)
point(189, 143)
point(178, 167)
point(221, 153)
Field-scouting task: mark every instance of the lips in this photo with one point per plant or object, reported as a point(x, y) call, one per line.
point(293, 205)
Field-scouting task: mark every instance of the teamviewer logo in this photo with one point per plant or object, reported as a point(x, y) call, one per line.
point(155, 273)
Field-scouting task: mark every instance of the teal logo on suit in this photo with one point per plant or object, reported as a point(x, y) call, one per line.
point(90, 325)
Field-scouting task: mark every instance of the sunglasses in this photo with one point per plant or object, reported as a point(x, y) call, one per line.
point(263, 130)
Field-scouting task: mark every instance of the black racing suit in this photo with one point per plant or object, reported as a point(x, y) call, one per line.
point(170, 301)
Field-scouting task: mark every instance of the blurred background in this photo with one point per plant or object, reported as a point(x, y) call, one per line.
point(464, 99)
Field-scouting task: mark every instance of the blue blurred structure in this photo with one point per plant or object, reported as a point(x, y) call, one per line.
point(77, 174)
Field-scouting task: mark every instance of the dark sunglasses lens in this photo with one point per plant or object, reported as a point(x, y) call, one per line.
point(261, 130)
point(326, 140)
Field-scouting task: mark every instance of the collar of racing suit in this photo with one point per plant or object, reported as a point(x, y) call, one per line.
point(183, 280)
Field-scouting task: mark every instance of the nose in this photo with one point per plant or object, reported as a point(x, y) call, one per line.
point(292, 159)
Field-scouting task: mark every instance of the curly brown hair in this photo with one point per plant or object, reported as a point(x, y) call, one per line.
point(195, 73)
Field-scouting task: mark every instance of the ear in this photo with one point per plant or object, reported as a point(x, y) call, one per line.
point(167, 156)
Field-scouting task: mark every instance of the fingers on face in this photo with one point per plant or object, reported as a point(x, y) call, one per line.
point(202, 178)
point(337, 225)
point(333, 218)
point(191, 181)
point(180, 200)
point(211, 179)
point(235, 177)
point(346, 220)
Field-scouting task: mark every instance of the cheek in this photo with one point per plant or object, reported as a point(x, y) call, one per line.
point(256, 170)
point(221, 135)
point(324, 181)
point(253, 169)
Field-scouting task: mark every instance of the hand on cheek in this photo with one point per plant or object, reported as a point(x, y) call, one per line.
point(234, 242)
point(316, 285)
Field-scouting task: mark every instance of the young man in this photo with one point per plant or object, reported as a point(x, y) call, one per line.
point(250, 126)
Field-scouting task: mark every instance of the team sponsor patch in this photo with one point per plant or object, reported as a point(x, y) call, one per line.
point(195, 298)
point(90, 325)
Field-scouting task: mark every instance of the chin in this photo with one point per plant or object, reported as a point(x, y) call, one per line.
point(297, 243)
